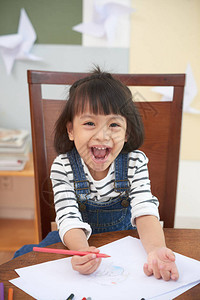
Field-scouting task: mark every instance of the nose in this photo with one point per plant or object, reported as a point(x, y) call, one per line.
point(102, 133)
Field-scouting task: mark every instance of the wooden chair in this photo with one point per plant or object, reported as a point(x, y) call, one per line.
point(162, 122)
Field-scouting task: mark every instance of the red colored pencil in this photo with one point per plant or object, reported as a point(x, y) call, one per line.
point(68, 252)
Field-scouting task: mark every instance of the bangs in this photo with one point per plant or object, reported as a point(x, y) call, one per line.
point(100, 97)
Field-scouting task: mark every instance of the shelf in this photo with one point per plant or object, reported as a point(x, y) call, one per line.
point(28, 171)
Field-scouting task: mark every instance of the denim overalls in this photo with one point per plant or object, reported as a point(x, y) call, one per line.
point(112, 215)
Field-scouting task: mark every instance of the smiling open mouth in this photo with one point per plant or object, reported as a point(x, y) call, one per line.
point(100, 153)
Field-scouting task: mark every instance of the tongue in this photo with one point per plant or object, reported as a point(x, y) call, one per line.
point(99, 153)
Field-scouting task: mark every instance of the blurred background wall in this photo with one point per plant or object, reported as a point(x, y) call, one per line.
point(165, 38)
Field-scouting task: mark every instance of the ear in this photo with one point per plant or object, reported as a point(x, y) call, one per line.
point(70, 131)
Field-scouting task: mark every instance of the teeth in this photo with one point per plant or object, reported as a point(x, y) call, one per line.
point(103, 148)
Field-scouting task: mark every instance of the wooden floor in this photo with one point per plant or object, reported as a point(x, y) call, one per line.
point(13, 235)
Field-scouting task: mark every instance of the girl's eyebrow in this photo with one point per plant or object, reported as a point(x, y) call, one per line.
point(86, 116)
point(117, 117)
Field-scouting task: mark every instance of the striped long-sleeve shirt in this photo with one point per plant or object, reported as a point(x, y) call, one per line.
point(68, 215)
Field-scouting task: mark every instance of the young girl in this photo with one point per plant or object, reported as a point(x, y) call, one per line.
point(100, 180)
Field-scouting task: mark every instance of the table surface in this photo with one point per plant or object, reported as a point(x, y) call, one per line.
point(183, 241)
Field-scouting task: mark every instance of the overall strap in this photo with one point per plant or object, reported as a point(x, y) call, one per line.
point(121, 173)
point(81, 184)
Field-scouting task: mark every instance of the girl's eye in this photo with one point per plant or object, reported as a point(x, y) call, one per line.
point(114, 125)
point(89, 123)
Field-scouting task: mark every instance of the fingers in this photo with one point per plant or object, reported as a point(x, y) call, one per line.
point(169, 274)
point(156, 270)
point(90, 249)
point(93, 249)
point(148, 271)
point(170, 255)
point(89, 267)
point(165, 274)
point(81, 260)
point(161, 271)
point(174, 273)
point(86, 264)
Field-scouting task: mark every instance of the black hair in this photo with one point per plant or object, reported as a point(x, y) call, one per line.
point(105, 95)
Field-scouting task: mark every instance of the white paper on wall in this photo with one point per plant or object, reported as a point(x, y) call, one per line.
point(190, 92)
point(18, 46)
point(104, 20)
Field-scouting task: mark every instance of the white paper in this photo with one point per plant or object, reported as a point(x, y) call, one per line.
point(190, 92)
point(121, 274)
point(104, 20)
point(175, 293)
point(18, 46)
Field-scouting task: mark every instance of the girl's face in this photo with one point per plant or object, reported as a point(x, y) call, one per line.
point(98, 139)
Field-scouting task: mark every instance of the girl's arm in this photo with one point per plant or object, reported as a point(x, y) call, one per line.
point(75, 239)
point(160, 259)
point(150, 232)
point(72, 231)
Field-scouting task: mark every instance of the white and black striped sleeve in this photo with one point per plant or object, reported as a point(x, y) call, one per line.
point(68, 215)
point(142, 200)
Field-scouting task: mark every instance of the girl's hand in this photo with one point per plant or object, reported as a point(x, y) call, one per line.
point(161, 264)
point(86, 264)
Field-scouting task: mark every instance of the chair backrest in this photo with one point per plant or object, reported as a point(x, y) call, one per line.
point(162, 123)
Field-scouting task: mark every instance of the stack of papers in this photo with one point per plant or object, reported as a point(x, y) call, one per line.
point(118, 277)
point(14, 149)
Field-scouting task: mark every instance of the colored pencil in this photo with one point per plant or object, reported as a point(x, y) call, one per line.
point(70, 297)
point(1, 291)
point(10, 294)
point(68, 252)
